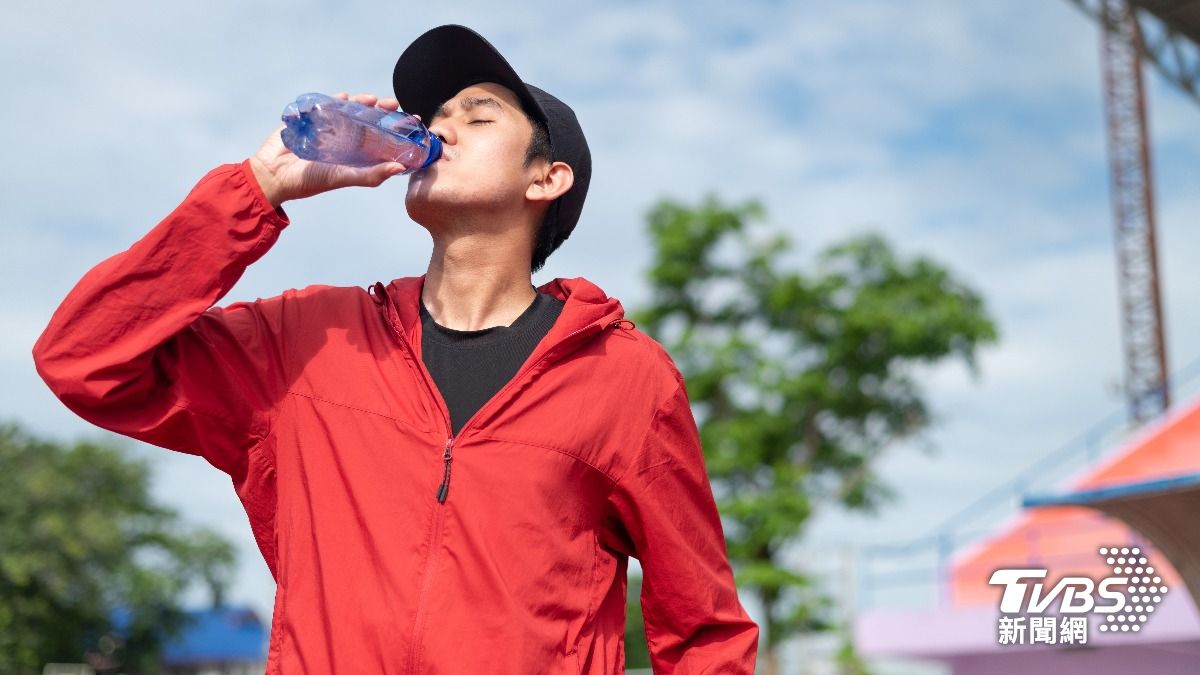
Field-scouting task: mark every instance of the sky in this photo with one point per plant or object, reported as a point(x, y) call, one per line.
point(968, 132)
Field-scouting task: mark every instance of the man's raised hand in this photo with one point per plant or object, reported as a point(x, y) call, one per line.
point(283, 176)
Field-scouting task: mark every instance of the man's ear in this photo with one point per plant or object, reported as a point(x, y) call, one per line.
point(551, 183)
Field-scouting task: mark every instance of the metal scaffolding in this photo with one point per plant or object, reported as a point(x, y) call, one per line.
point(1122, 46)
point(1171, 37)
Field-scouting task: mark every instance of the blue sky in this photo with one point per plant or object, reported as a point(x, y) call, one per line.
point(970, 132)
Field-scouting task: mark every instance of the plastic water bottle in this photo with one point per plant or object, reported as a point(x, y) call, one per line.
point(327, 129)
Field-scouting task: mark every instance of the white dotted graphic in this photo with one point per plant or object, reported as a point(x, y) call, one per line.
point(1140, 598)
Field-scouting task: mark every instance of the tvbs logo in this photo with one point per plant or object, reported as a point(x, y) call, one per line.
point(1126, 598)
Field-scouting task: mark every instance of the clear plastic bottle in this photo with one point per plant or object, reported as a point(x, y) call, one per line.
point(327, 129)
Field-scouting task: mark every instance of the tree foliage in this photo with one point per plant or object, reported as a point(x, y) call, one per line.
point(91, 568)
point(800, 380)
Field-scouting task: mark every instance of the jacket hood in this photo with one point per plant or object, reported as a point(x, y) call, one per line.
point(587, 310)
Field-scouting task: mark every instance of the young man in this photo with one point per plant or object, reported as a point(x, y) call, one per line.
point(446, 474)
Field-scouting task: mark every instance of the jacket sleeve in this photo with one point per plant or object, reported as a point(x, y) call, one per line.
point(137, 348)
point(694, 621)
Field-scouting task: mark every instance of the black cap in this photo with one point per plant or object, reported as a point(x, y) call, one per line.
point(444, 60)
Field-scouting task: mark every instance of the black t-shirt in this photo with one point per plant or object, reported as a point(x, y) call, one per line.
point(470, 366)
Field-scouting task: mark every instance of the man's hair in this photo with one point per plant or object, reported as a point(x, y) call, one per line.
point(539, 147)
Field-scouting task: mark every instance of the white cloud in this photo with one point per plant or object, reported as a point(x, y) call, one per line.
point(813, 107)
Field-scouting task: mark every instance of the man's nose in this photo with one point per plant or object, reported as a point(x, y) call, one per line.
point(443, 131)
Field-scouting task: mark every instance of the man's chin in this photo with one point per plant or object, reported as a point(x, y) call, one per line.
point(421, 205)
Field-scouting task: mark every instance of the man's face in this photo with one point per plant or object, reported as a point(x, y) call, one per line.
point(485, 135)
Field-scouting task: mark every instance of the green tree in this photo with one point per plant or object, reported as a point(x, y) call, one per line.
point(91, 568)
point(799, 381)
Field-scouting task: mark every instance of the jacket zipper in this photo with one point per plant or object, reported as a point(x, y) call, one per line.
point(444, 488)
point(435, 539)
point(435, 535)
point(447, 453)
point(447, 456)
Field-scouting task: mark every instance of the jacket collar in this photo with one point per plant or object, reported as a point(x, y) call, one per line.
point(587, 310)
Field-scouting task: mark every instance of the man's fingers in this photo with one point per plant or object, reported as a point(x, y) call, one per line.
point(370, 99)
point(373, 176)
point(387, 170)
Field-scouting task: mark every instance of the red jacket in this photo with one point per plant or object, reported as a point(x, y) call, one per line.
point(396, 547)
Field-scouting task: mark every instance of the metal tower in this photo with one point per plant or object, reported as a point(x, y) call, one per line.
point(1122, 46)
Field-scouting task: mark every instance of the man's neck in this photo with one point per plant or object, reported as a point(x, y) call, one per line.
point(473, 290)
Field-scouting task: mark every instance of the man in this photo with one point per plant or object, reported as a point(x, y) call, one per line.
point(446, 474)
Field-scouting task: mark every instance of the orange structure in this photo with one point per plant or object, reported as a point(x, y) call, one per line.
point(1066, 538)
